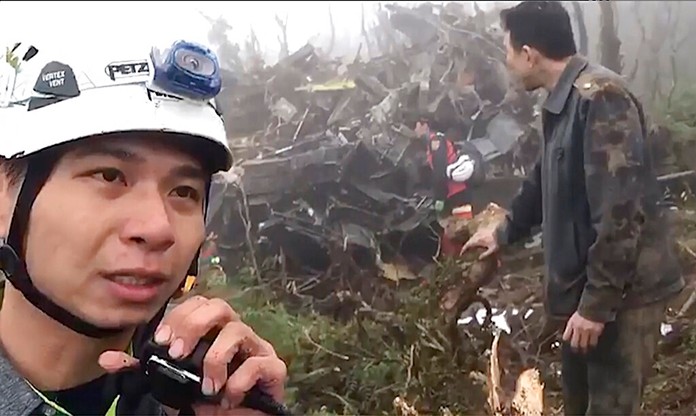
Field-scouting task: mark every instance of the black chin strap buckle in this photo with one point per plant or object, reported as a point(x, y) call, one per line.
point(8, 259)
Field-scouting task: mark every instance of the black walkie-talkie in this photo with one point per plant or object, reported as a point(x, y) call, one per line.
point(177, 383)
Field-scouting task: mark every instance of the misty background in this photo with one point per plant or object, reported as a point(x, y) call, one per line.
point(655, 36)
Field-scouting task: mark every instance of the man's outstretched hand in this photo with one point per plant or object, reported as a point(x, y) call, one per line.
point(483, 238)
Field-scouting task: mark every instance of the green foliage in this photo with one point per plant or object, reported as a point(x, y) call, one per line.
point(679, 115)
point(361, 366)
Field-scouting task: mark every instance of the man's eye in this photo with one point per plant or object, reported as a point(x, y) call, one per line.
point(110, 175)
point(187, 192)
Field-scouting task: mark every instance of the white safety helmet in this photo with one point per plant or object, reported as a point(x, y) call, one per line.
point(462, 169)
point(53, 102)
point(48, 101)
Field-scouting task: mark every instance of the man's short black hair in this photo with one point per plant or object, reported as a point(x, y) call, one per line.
point(542, 25)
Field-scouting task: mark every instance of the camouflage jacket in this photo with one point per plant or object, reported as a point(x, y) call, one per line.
point(595, 193)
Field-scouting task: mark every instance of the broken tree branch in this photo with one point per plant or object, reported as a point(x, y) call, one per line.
point(246, 219)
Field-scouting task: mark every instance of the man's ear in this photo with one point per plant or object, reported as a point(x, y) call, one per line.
point(531, 55)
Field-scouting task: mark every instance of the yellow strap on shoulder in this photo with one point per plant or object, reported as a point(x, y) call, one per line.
point(188, 285)
point(63, 412)
point(112, 409)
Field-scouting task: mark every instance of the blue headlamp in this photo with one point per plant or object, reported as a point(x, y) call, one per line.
point(187, 70)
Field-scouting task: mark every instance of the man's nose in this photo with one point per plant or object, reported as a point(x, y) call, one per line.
point(148, 223)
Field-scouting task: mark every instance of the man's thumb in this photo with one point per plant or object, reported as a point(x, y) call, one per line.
point(115, 361)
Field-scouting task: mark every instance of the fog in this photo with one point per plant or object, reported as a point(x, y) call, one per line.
point(122, 24)
point(114, 27)
point(655, 36)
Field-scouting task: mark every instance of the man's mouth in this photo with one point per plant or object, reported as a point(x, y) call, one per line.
point(136, 285)
point(135, 281)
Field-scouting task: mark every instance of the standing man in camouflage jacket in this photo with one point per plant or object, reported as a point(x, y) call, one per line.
point(609, 264)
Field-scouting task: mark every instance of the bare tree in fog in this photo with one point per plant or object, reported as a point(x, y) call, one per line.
point(610, 45)
point(332, 39)
point(283, 36)
point(228, 52)
point(253, 55)
point(582, 29)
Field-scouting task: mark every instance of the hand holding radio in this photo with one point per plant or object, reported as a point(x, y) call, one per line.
point(204, 352)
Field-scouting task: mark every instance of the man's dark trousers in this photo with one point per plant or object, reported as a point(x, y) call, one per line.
point(610, 378)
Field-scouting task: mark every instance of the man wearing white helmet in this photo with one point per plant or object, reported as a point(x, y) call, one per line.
point(454, 173)
point(103, 188)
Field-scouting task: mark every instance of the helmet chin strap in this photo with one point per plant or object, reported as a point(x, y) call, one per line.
point(12, 252)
